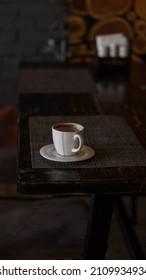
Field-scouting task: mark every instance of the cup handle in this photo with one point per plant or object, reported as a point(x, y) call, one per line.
point(80, 138)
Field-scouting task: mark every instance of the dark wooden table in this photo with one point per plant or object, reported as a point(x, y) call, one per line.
point(79, 96)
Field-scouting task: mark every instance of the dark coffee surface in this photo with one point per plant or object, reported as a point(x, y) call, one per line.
point(111, 137)
point(66, 128)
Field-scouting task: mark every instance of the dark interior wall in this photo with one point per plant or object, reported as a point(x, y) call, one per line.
point(24, 31)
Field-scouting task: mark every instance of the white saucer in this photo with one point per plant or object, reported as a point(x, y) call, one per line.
point(49, 152)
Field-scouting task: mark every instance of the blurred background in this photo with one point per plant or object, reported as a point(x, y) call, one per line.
point(27, 26)
point(46, 31)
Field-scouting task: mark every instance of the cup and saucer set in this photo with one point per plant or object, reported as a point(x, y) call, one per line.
point(68, 144)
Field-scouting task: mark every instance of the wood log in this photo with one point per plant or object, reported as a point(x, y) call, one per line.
point(140, 8)
point(99, 9)
point(88, 59)
point(78, 7)
point(136, 59)
point(131, 16)
point(76, 26)
point(78, 50)
point(85, 59)
point(140, 27)
point(74, 41)
point(109, 26)
point(81, 50)
point(75, 60)
point(139, 45)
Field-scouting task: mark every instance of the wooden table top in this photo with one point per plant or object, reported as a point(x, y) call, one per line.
point(74, 91)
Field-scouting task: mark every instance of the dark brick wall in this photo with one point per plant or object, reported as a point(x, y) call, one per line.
point(24, 31)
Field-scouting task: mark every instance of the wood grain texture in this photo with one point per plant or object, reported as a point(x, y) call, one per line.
point(76, 26)
point(100, 10)
point(140, 8)
point(78, 7)
point(106, 17)
point(109, 26)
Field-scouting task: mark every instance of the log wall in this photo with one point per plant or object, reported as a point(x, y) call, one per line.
point(88, 18)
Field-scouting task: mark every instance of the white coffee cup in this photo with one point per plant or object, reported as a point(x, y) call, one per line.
point(68, 138)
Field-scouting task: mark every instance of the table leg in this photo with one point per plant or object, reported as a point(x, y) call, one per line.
point(95, 246)
point(129, 234)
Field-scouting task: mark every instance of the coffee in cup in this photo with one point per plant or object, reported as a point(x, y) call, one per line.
point(68, 138)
